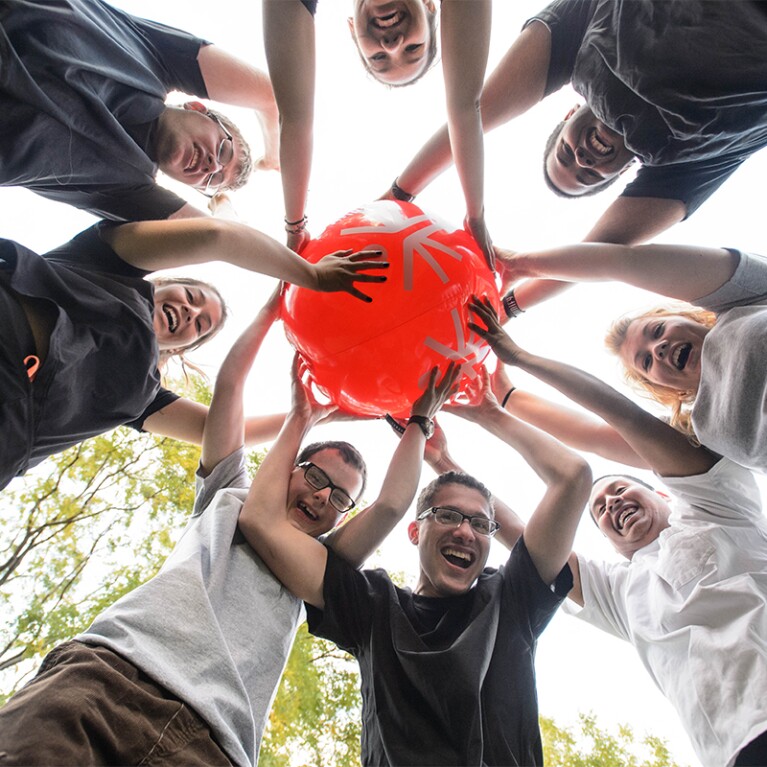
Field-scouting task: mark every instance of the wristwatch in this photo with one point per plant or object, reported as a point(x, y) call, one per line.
point(425, 423)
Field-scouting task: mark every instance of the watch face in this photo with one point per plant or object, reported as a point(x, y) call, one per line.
point(425, 424)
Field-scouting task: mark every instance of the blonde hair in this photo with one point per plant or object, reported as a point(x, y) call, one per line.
point(180, 354)
point(679, 402)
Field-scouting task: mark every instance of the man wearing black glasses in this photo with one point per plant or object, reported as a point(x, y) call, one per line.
point(447, 668)
point(84, 119)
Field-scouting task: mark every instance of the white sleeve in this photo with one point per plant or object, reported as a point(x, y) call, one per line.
point(603, 601)
point(230, 472)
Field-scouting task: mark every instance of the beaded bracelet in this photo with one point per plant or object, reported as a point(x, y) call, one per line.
point(510, 305)
point(296, 227)
point(399, 193)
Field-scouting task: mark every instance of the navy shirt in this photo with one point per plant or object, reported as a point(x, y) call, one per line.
point(81, 87)
point(101, 367)
point(445, 681)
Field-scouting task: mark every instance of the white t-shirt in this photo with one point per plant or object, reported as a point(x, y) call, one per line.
point(214, 626)
point(694, 605)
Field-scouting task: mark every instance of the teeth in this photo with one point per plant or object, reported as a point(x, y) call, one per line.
point(598, 145)
point(624, 517)
point(193, 161)
point(384, 22)
point(681, 355)
point(306, 510)
point(458, 554)
point(172, 318)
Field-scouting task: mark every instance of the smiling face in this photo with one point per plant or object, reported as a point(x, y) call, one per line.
point(451, 558)
point(188, 144)
point(629, 514)
point(309, 509)
point(184, 314)
point(665, 350)
point(586, 154)
point(393, 37)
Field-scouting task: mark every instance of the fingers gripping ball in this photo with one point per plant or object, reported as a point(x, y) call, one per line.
point(375, 358)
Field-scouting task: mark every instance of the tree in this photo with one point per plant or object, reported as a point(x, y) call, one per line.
point(88, 526)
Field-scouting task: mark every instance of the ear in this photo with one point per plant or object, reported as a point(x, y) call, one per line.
point(666, 497)
point(430, 7)
point(350, 22)
point(412, 533)
point(572, 111)
point(195, 106)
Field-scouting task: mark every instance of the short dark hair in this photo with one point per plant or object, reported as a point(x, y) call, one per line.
point(245, 165)
point(426, 497)
point(630, 477)
point(348, 452)
point(551, 142)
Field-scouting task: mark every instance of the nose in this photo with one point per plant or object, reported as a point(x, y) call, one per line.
point(582, 158)
point(660, 350)
point(211, 164)
point(323, 495)
point(391, 44)
point(464, 531)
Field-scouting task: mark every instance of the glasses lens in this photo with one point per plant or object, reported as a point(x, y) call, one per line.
point(448, 516)
point(482, 525)
point(225, 151)
point(316, 477)
point(340, 500)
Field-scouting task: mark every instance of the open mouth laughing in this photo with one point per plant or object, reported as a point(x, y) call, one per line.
point(171, 317)
point(458, 558)
point(306, 511)
point(681, 355)
point(598, 145)
point(388, 20)
point(625, 515)
point(193, 165)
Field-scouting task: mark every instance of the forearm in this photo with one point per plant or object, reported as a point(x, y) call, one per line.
point(573, 428)
point(656, 268)
point(432, 159)
point(360, 536)
point(263, 428)
point(465, 44)
point(269, 120)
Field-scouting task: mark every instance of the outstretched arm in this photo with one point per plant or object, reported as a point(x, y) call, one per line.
point(225, 422)
point(465, 29)
point(666, 451)
point(575, 428)
point(230, 80)
point(516, 84)
point(551, 529)
point(297, 559)
point(153, 245)
point(627, 221)
point(685, 272)
point(360, 536)
point(289, 43)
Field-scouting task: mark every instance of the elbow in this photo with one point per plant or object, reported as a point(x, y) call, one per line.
point(576, 474)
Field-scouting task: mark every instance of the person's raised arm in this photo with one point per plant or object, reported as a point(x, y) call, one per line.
point(360, 536)
point(230, 80)
point(516, 84)
point(189, 421)
point(666, 451)
point(225, 423)
point(627, 221)
point(290, 55)
point(153, 245)
point(576, 429)
point(685, 272)
point(551, 529)
point(465, 32)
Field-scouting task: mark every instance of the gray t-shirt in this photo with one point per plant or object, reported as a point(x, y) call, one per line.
point(214, 626)
point(730, 411)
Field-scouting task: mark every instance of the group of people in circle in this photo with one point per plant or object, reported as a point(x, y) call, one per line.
point(183, 669)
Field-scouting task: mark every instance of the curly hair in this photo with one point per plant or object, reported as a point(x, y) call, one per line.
point(677, 401)
point(245, 163)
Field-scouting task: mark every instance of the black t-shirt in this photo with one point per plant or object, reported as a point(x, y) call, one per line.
point(685, 84)
point(445, 681)
point(101, 367)
point(81, 87)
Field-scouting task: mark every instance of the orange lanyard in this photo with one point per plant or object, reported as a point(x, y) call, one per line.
point(32, 364)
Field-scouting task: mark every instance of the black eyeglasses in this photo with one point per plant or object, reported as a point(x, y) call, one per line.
point(224, 156)
point(454, 518)
point(340, 500)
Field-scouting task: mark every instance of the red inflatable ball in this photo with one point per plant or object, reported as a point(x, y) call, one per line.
point(375, 358)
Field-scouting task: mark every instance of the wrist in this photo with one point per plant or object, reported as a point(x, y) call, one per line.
point(510, 305)
point(399, 193)
point(297, 226)
point(424, 423)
